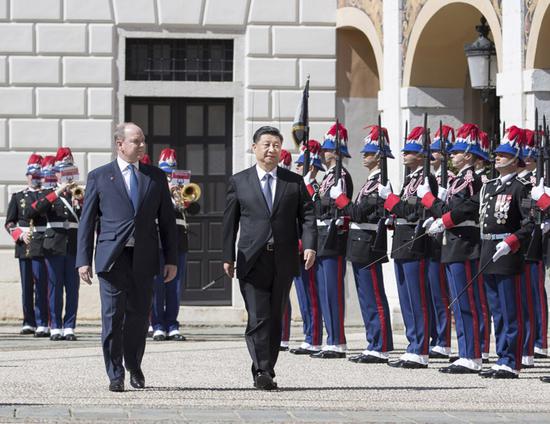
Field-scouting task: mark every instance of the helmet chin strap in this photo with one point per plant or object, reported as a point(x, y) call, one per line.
point(507, 163)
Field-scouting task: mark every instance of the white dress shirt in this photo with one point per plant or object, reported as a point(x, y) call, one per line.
point(123, 165)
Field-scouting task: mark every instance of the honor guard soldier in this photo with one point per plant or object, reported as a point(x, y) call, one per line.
point(285, 161)
point(411, 268)
point(506, 226)
point(62, 206)
point(366, 255)
point(167, 296)
point(306, 283)
point(28, 236)
point(458, 224)
point(482, 162)
point(331, 264)
point(440, 346)
point(536, 328)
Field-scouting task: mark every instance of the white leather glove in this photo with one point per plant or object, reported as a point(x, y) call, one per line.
point(436, 228)
point(428, 222)
point(502, 250)
point(384, 191)
point(537, 191)
point(442, 193)
point(423, 188)
point(389, 221)
point(337, 189)
point(545, 226)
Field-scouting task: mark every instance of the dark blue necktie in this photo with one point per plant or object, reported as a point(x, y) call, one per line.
point(134, 190)
point(267, 191)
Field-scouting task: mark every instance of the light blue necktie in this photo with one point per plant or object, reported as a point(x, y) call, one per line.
point(134, 189)
point(267, 191)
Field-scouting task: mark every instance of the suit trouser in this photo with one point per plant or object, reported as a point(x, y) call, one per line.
point(34, 292)
point(265, 294)
point(331, 271)
point(467, 309)
point(308, 299)
point(441, 314)
point(125, 305)
point(374, 306)
point(540, 304)
point(414, 299)
point(62, 274)
point(286, 322)
point(504, 293)
point(528, 306)
point(167, 297)
point(485, 322)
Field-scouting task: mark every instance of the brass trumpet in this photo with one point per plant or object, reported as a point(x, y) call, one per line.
point(183, 194)
point(78, 192)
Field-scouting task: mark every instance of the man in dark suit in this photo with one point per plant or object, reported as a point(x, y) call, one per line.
point(124, 199)
point(271, 205)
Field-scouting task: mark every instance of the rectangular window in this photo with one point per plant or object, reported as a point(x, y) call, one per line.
point(179, 60)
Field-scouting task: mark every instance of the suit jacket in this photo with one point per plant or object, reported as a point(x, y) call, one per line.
point(246, 207)
point(108, 204)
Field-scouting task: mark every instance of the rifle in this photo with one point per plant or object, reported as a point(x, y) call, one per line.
point(305, 107)
point(381, 240)
point(406, 173)
point(332, 236)
point(546, 152)
point(419, 247)
point(494, 144)
point(443, 152)
point(534, 250)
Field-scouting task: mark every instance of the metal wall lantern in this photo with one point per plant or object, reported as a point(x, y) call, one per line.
point(482, 59)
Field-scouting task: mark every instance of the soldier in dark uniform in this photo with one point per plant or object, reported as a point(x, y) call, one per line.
point(458, 224)
point(506, 226)
point(28, 236)
point(440, 345)
point(306, 283)
point(167, 296)
point(411, 268)
point(62, 207)
point(331, 263)
point(365, 214)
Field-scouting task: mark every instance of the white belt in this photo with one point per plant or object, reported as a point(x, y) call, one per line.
point(363, 226)
point(65, 225)
point(495, 236)
point(39, 229)
point(325, 222)
point(180, 222)
point(468, 223)
point(403, 221)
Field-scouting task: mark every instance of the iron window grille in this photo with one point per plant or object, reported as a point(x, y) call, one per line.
point(179, 60)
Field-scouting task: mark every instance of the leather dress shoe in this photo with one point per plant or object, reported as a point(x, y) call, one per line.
point(283, 348)
point(177, 338)
point(528, 366)
point(56, 337)
point(540, 355)
point(159, 338)
point(453, 358)
point(137, 379)
point(545, 379)
point(505, 374)
point(302, 351)
point(41, 334)
point(487, 373)
point(367, 359)
point(263, 381)
point(457, 369)
point(437, 355)
point(406, 364)
point(328, 354)
point(25, 331)
point(70, 337)
point(485, 360)
point(116, 386)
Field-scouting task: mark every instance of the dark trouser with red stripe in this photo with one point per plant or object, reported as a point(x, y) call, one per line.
point(541, 305)
point(308, 299)
point(34, 291)
point(528, 305)
point(441, 323)
point(505, 301)
point(467, 309)
point(414, 299)
point(330, 276)
point(287, 318)
point(485, 321)
point(374, 306)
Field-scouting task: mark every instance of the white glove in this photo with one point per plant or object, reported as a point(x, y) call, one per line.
point(307, 178)
point(389, 221)
point(436, 228)
point(442, 193)
point(428, 222)
point(423, 188)
point(502, 250)
point(384, 191)
point(537, 191)
point(545, 226)
point(337, 189)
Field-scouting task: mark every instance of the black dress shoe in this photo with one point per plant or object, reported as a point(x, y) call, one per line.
point(26, 331)
point(453, 358)
point(137, 379)
point(545, 379)
point(159, 338)
point(263, 381)
point(116, 386)
point(485, 360)
point(540, 356)
point(367, 359)
point(56, 337)
point(487, 373)
point(41, 334)
point(177, 338)
point(70, 337)
point(302, 351)
point(505, 374)
point(457, 369)
point(396, 364)
point(283, 348)
point(328, 354)
point(437, 355)
point(528, 366)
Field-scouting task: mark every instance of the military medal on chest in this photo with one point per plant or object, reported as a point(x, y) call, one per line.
point(502, 206)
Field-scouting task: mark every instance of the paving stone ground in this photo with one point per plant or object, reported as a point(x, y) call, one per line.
point(207, 379)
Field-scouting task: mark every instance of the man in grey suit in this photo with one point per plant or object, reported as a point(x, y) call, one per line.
point(124, 200)
point(273, 209)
